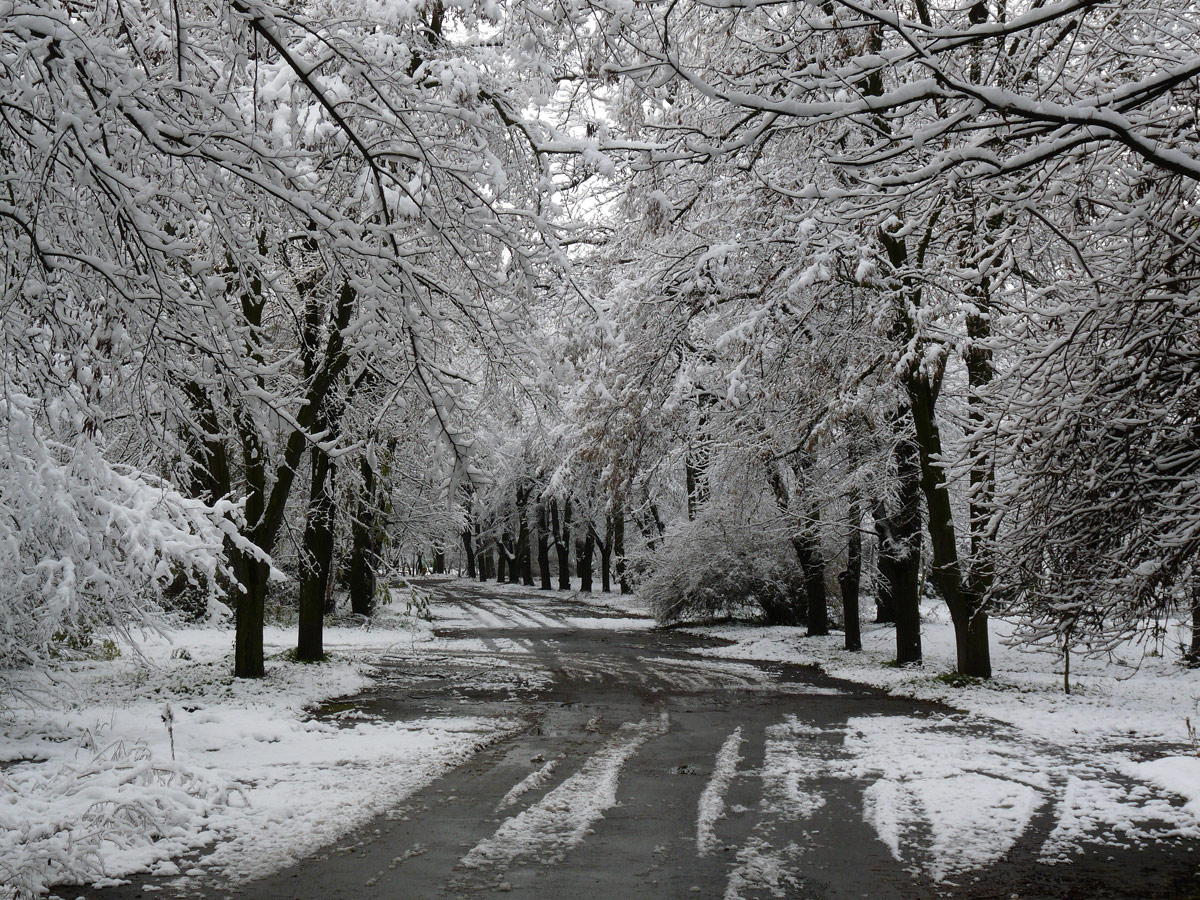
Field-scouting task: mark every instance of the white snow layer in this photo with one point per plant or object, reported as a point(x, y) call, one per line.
point(561, 819)
point(712, 799)
point(99, 790)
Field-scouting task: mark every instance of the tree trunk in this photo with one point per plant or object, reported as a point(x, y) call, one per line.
point(501, 561)
point(584, 548)
point(905, 587)
point(252, 575)
point(850, 579)
point(606, 556)
point(364, 551)
point(1193, 656)
point(485, 562)
point(787, 610)
point(469, 551)
point(524, 551)
point(619, 548)
point(562, 543)
point(439, 561)
point(965, 603)
point(316, 560)
point(812, 563)
point(543, 543)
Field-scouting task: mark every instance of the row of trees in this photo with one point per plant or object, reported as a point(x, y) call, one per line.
point(780, 286)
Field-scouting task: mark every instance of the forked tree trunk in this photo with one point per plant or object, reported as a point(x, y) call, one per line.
point(619, 549)
point(543, 542)
point(562, 543)
point(524, 551)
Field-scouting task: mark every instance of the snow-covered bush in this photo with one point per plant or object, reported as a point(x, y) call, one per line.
point(60, 826)
point(720, 565)
point(85, 543)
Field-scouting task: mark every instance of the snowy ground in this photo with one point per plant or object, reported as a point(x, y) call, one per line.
point(95, 788)
point(92, 791)
point(1115, 761)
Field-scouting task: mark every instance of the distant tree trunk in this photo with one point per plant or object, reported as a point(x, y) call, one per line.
point(584, 548)
point(786, 610)
point(562, 543)
point(885, 609)
point(484, 560)
point(849, 580)
point(900, 551)
point(364, 553)
point(1193, 656)
point(439, 561)
point(316, 557)
point(524, 550)
point(469, 551)
point(619, 548)
point(812, 563)
point(605, 555)
point(543, 529)
point(501, 561)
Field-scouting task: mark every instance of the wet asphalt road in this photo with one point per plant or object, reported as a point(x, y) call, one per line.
point(600, 795)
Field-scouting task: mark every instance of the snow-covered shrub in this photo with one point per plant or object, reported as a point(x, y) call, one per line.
point(85, 543)
point(58, 824)
point(719, 565)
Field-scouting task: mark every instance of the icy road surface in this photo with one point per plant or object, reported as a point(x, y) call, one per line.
point(645, 771)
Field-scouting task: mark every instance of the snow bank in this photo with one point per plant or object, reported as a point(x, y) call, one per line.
point(98, 789)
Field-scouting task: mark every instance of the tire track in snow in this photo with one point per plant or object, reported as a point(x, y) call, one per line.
point(531, 781)
point(712, 800)
point(561, 819)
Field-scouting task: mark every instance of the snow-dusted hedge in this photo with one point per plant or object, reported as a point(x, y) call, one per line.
point(84, 543)
point(719, 565)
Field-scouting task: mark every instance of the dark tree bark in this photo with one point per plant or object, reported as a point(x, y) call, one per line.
point(1193, 655)
point(469, 551)
point(850, 579)
point(265, 506)
point(785, 610)
point(619, 549)
point(543, 543)
point(316, 561)
point(524, 552)
point(964, 592)
point(501, 561)
point(364, 551)
point(812, 563)
point(900, 551)
point(562, 543)
point(584, 549)
point(605, 555)
point(484, 561)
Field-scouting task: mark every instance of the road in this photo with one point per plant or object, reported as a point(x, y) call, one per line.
point(643, 770)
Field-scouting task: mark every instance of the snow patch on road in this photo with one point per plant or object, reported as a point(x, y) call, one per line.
point(530, 782)
point(762, 867)
point(712, 799)
point(562, 819)
point(793, 759)
point(951, 802)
